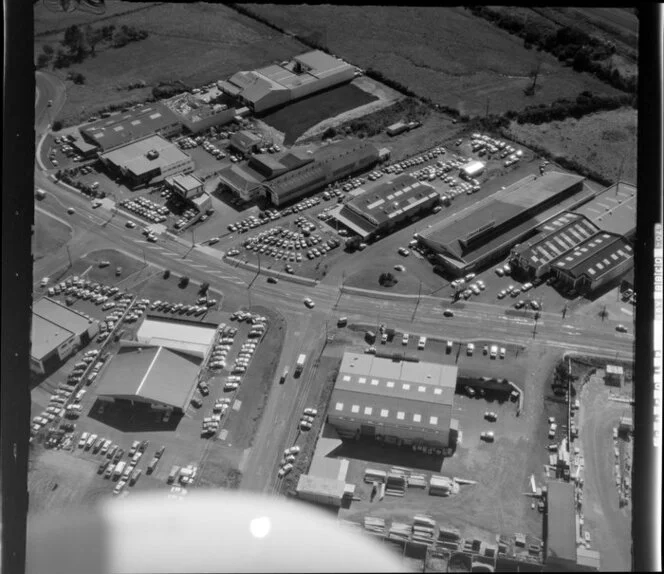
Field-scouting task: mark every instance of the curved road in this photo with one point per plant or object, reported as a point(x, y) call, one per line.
point(305, 332)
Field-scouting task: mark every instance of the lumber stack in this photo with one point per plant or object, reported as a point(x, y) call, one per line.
point(374, 525)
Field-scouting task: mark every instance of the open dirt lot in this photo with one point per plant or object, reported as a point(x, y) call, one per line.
point(50, 235)
point(295, 119)
point(447, 55)
point(599, 141)
point(186, 41)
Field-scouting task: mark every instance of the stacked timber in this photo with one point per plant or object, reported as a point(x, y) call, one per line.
point(423, 529)
point(440, 486)
point(396, 484)
point(417, 480)
point(399, 531)
point(374, 525)
point(449, 534)
point(373, 475)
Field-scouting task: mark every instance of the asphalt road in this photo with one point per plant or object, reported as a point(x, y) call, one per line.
point(101, 229)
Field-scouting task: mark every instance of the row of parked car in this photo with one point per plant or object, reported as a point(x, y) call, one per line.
point(147, 209)
point(254, 221)
point(401, 166)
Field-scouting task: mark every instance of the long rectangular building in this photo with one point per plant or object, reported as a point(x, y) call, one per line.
point(121, 129)
point(404, 402)
point(278, 84)
point(331, 163)
point(493, 226)
point(613, 210)
point(386, 205)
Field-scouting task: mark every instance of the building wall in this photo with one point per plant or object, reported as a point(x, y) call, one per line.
point(218, 119)
point(270, 100)
point(347, 426)
point(341, 76)
point(583, 283)
point(320, 498)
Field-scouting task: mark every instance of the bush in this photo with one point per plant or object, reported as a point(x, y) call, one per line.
point(204, 289)
point(387, 280)
point(167, 273)
point(184, 281)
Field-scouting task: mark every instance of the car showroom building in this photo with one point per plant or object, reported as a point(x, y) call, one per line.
point(403, 403)
point(380, 209)
point(57, 332)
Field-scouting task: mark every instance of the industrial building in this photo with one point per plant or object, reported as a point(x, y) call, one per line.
point(156, 376)
point(149, 160)
point(57, 333)
point(279, 84)
point(563, 554)
point(593, 264)
point(389, 203)
point(402, 403)
point(185, 185)
point(192, 337)
point(245, 142)
point(325, 483)
point(552, 239)
point(202, 110)
point(613, 210)
point(126, 127)
point(331, 163)
point(246, 180)
point(488, 230)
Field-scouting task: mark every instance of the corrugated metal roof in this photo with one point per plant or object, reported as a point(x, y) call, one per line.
point(561, 541)
point(331, 468)
point(314, 485)
point(190, 338)
point(151, 373)
point(596, 256)
point(613, 210)
point(52, 324)
point(321, 64)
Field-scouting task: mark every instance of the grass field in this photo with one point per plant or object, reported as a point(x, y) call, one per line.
point(50, 235)
point(448, 55)
point(599, 141)
point(297, 118)
point(194, 43)
point(107, 275)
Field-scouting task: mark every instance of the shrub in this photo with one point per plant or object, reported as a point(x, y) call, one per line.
point(167, 273)
point(184, 281)
point(387, 280)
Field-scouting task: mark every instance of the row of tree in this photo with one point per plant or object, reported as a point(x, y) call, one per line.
point(584, 52)
point(80, 42)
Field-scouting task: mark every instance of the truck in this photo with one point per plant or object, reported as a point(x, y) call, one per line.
point(40, 193)
point(119, 469)
point(300, 364)
point(173, 474)
point(282, 380)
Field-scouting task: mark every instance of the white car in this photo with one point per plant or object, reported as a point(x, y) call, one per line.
point(292, 450)
point(309, 303)
point(311, 412)
point(213, 240)
point(470, 348)
point(284, 470)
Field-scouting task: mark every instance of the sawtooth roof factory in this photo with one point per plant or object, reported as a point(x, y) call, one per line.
point(279, 84)
point(149, 160)
point(57, 332)
point(586, 249)
point(488, 230)
point(404, 403)
point(380, 210)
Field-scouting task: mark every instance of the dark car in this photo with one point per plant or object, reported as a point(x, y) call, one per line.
point(272, 280)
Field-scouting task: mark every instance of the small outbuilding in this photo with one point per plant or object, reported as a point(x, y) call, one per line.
point(472, 169)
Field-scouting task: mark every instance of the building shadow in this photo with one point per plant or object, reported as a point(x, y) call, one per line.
point(369, 450)
point(125, 417)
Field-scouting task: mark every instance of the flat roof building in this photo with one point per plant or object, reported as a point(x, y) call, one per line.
point(57, 332)
point(613, 210)
point(490, 228)
point(245, 142)
point(155, 375)
point(148, 160)
point(186, 337)
point(201, 111)
point(406, 402)
point(279, 84)
point(123, 128)
point(472, 169)
point(331, 163)
point(389, 203)
point(185, 185)
point(561, 525)
point(325, 483)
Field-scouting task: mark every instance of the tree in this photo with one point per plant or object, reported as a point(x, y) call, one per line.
point(204, 289)
point(167, 273)
point(387, 279)
point(120, 37)
point(43, 60)
point(48, 49)
point(62, 60)
point(353, 244)
point(184, 281)
point(75, 42)
point(92, 37)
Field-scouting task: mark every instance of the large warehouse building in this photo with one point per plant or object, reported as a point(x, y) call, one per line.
point(381, 209)
point(488, 230)
point(57, 332)
point(152, 375)
point(149, 160)
point(331, 163)
point(400, 402)
point(325, 483)
point(613, 210)
point(194, 338)
point(279, 84)
point(126, 127)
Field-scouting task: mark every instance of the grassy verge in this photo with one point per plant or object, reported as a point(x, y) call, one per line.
point(50, 235)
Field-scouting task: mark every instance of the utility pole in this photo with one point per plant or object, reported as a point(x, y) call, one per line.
point(564, 310)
